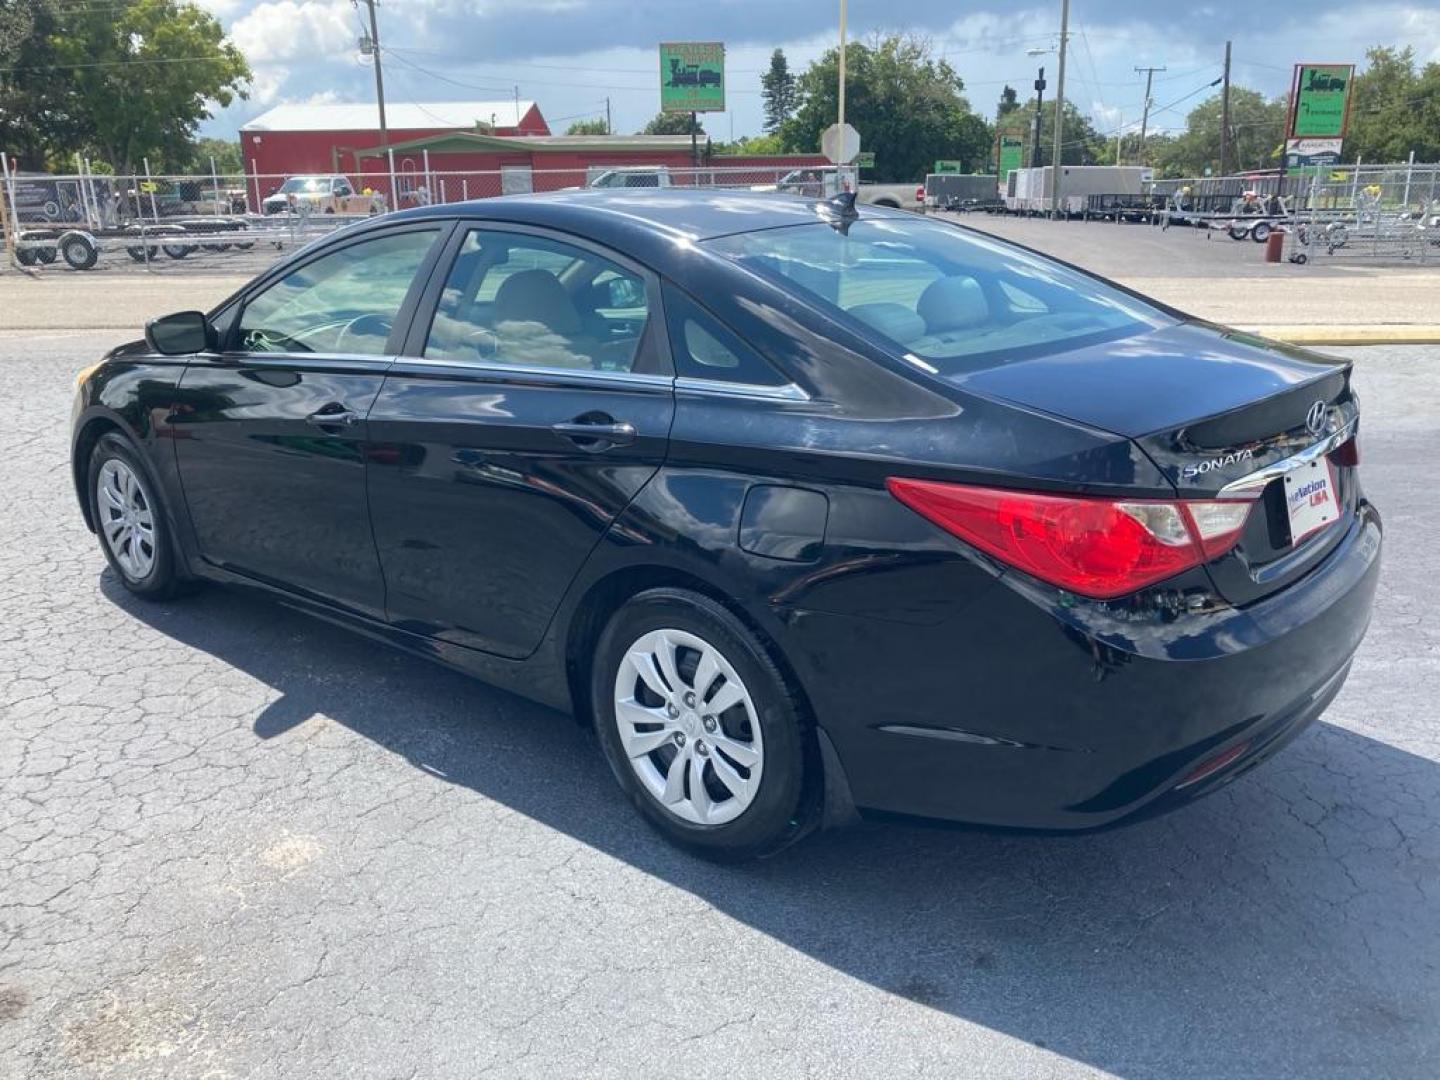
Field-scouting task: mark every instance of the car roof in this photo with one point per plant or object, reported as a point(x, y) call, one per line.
point(676, 212)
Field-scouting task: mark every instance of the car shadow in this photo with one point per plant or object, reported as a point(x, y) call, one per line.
point(1290, 922)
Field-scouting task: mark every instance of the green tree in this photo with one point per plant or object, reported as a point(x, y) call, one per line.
point(1083, 145)
point(1394, 109)
point(777, 91)
point(596, 126)
point(1257, 136)
point(753, 144)
point(40, 119)
point(908, 107)
point(120, 81)
point(1009, 101)
point(225, 152)
point(673, 124)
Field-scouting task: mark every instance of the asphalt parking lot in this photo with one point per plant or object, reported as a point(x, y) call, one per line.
point(238, 842)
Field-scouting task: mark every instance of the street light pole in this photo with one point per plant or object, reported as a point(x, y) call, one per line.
point(1057, 152)
point(380, 100)
point(841, 118)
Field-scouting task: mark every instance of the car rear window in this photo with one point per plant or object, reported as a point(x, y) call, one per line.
point(957, 300)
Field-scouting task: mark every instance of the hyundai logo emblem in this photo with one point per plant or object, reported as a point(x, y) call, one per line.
point(1315, 418)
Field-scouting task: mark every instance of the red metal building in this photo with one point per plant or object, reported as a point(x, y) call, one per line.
point(475, 165)
point(323, 138)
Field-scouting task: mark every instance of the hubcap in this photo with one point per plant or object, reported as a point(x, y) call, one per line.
point(127, 520)
point(688, 726)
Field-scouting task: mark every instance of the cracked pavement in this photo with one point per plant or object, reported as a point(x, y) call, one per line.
point(238, 842)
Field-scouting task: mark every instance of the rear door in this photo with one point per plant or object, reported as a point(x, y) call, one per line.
point(534, 401)
point(270, 433)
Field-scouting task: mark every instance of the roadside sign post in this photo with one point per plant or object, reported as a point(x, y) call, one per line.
point(692, 76)
point(840, 143)
point(1319, 115)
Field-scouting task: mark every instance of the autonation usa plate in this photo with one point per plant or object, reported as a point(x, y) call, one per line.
point(1310, 498)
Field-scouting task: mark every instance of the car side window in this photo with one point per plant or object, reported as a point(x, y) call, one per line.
point(342, 187)
point(343, 302)
point(512, 298)
point(704, 348)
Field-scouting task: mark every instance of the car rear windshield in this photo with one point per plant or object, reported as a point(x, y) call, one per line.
point(305, 184)
point(950, 297)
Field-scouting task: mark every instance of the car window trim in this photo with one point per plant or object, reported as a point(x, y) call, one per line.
point(427, 305)
point(442, 227)
point(481, 371)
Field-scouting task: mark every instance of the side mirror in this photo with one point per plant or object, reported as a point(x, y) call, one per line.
point(180, 334)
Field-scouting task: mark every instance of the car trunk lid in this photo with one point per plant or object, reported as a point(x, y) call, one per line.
point(1222, 414)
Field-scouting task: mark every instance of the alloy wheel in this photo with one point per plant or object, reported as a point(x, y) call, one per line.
point(688, 726)
point(127, 518)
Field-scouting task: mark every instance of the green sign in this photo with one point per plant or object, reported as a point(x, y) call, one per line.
point(1012, 154)
point(947, 165)
point(865, 159)
point(692, 76)
point(1320, 100)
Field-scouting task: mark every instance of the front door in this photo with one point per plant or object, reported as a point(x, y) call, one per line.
point(270, 433)
point(537, 404)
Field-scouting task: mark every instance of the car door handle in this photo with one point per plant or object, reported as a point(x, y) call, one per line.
point(333, 415)
point(596, 436)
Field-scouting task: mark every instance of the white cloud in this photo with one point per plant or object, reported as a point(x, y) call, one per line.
point(282, 30)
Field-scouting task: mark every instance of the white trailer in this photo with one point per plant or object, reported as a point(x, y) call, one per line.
point(1030, 191)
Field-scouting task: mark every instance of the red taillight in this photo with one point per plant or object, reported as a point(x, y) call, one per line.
point(1096, 547)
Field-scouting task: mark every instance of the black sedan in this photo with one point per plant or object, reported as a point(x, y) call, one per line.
point(806, 507)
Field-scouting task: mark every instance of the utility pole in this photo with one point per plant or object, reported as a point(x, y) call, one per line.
point(380, 98)
point(1145, 116)
point(841, 118)
point(1225, 116)
point(608, 129)
point(1058, 150)
point(1039, 101)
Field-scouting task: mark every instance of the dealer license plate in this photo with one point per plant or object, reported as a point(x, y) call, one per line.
point(1310, 497)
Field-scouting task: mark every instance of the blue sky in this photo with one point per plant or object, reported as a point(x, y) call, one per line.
point(570, 55)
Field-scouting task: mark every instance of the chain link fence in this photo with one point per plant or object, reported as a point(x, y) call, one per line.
point(221, 223)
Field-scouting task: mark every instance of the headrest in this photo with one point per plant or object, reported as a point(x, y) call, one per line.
point(536, 296)
point(953, 303)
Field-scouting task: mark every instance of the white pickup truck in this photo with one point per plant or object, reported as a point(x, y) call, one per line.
point(899, 196)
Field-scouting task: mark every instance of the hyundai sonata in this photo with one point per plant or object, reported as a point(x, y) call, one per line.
point(806, 507)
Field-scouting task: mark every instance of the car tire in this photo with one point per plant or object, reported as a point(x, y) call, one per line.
point(26, 256)
point(740, 770)
point(1261, 232)
point(46, 255)
point(130, 520)
point(175, 251)
point(78, 252)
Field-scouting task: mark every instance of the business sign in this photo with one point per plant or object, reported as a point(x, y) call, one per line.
point(1012, 154)
point(692, 76)
point(948, 165)
point(1320, 101)
point(865, 159)
point(1306, 155)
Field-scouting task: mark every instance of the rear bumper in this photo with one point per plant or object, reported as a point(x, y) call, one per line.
point(1030, 712)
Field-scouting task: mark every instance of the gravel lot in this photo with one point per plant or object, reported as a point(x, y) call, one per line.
point(237, 842)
